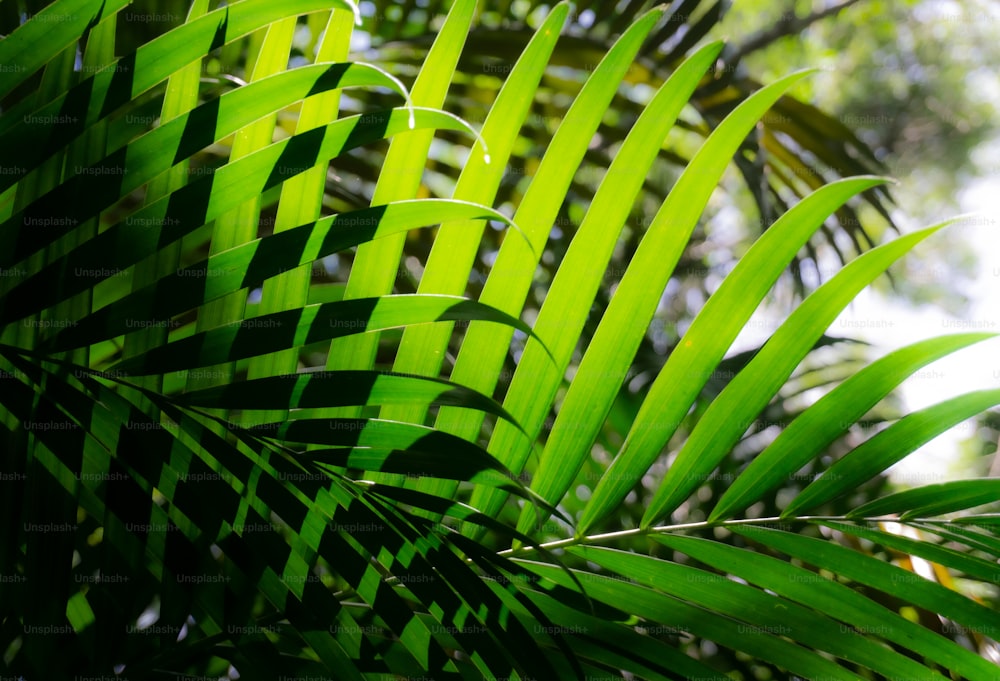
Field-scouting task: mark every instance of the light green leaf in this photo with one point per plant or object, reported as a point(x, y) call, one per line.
point(932, 500)
point(376, 264)
point(889, 446)
point(483, 350)
point(106, 91)
point(713, 330)
point(55, 27)
point(422, 349)
point(732, 412)
point(185, 129)
point(621, 329)
point(830, 417)
point(301, 200)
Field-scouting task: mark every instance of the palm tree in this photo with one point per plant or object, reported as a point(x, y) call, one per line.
point(222, 458)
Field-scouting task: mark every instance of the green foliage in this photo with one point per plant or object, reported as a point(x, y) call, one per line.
point(222, 456)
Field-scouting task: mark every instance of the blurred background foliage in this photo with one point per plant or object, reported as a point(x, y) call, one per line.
point(914, 79)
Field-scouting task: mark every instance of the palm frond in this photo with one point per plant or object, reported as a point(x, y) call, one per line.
point(260, 419)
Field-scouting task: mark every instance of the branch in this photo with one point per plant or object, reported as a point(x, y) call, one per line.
point(788, 24)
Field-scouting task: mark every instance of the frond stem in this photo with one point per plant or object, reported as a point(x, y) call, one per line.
point(681, 527)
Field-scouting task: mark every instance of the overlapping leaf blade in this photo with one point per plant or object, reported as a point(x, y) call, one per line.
point(564, 312)
point(421, 350)
point(834, 600)
point(873, 572)
point(703, 345)
point(377, 263)
point(250, 264)
point(733, 411)
point(661, 608)
point(339, 388)
point(889, 446)
point(482, 354)
point(931, 500)
point(830, 417)
point(309, 324)
point(170, 218)
point(770, 613)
